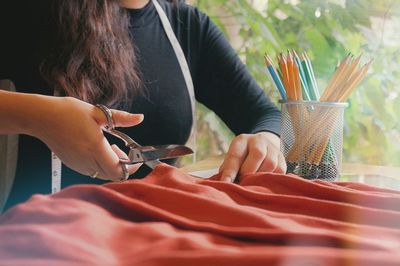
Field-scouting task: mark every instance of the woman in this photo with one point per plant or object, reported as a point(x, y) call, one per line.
point(117, 53)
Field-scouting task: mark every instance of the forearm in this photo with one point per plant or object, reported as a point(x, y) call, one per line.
point(20, 113)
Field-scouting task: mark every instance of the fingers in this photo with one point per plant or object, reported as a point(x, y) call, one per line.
point(108, 162)
point(125, 119)
point(274, 161)
point(106, 156)
point(282, 166)
point(132, 168)
point(264, 155)
point(234, 159)
point(120, 118)
point(258, 154)
point(253, 153)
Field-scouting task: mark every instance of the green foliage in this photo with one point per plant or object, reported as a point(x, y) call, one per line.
point(328, 30)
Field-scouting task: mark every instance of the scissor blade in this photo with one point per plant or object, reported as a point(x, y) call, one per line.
point(151, 153)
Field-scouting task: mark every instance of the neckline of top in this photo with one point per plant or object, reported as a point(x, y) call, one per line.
point(142, 16)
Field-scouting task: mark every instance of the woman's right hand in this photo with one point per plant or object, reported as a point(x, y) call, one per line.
point(72, 129)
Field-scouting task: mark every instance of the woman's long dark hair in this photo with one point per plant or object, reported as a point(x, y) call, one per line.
point(93, 57)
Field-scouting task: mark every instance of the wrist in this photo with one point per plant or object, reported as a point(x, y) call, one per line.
point(35, 115)
point(45, 110)
point(30, 112)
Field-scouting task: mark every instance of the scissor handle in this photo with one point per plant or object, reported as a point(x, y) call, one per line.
point(124, 160)
point(129, 142)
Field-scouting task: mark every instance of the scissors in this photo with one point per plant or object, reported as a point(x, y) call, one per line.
point(149, 155)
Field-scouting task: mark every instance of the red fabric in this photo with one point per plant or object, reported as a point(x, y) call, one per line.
point(170, 218)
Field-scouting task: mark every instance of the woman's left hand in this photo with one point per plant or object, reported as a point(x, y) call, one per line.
point(251, 153)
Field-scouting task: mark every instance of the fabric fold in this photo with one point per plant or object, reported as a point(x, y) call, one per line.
point(171, 218)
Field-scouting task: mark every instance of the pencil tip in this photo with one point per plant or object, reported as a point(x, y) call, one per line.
point(358, 58)
point(266, 59)
point(369, 62)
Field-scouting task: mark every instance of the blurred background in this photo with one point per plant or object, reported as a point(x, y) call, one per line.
point(327, 31)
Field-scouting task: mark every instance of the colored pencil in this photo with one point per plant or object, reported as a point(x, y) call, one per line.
point(274, 76)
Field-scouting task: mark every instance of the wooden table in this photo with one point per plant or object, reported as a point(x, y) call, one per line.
point(381, 176)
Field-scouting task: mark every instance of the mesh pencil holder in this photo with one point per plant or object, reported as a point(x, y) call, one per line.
point(312, 138)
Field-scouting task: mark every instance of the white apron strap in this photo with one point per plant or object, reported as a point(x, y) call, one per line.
point(184, 67)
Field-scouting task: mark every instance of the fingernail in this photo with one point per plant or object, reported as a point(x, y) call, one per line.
point(135, 114)
point(227, 179)
point(141, 116)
